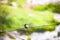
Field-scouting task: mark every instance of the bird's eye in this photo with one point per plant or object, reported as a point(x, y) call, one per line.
point(26, 25)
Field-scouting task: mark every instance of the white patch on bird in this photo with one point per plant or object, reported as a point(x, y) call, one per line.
point(27, 26)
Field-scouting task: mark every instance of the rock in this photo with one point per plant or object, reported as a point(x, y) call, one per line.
point(58, 34)
point(24, 37)
point(57, 28)
point(1, 37)
point(15, 35)
point(6, 37)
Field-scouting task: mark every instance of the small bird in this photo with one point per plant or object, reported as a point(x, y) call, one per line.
point(26, 25)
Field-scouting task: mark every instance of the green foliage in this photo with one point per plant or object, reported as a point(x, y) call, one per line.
point(57, 9)
point(29, 39)
point(54, 8)
point(38, 21)
point(12, 19)
point(51, 7)
point(16, 19)
point(19, 1)
point(40, 8)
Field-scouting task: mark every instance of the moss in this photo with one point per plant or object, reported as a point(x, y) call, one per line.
point(28, 38)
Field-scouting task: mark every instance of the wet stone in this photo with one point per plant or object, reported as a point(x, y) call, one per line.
point(58, 34)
